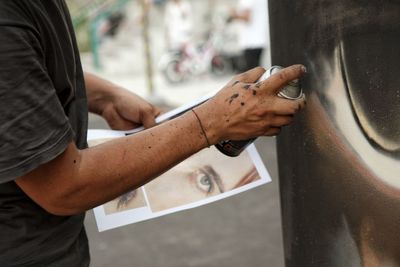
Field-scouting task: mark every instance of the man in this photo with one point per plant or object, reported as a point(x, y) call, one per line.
point(48, 177)
point(255, 33)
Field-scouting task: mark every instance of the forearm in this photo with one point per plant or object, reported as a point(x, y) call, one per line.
point(99, 92)
point(91, 177)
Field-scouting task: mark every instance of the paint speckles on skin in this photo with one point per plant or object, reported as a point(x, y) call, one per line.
point(254, 92)
point(233, 97)
point(242, 103)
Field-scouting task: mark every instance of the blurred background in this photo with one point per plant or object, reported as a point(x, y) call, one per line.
point(170, 57)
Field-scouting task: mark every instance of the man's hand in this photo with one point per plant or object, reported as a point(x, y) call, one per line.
point(244, 109)
point(127, 110)
point(123, 110)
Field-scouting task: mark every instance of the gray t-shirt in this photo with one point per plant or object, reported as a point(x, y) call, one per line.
point(43, 107)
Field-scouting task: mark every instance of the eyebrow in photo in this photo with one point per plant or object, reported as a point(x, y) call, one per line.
point(207, 177)
point(124, 200)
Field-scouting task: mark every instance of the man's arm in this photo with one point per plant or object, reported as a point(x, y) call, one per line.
point(123, 110)
point(79, 180)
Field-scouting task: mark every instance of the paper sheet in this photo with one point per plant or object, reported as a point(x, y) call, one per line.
point(203, 178)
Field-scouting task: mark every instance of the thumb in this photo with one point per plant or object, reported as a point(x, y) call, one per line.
point(148, 118)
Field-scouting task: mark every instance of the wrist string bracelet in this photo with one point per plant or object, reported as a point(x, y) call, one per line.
point(202, 128)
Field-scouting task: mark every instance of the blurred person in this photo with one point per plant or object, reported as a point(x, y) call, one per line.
point(253, 38)
point(110, 26)
point(48, 176)
point(178, 23)
point(114, 22)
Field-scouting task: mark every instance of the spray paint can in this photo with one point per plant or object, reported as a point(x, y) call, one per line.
point(291, 91)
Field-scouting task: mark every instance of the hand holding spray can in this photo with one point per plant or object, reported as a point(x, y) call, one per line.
point(291, 91)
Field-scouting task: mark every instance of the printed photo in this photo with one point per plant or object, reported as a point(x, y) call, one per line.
point(203, 178)
point(205, 174)
point(131, 200)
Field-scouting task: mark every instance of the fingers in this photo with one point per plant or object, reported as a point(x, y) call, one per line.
point(302, 101)
point(148, 121)
point(250, 76)
point(276, 81)
point(272, 131)
point(277, 123)
point(149, 117)
point(280, 121)
point(129, 117)
point(282, 106)
point(115, 121)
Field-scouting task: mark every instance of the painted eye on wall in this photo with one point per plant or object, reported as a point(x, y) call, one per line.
point(372, 78)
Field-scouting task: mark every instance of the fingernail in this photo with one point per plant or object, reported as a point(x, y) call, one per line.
point(303, 69)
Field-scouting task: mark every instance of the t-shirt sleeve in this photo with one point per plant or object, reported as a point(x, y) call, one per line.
point(33, 126)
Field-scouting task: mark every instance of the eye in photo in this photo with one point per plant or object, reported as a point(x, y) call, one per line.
point(208, 173)
point(131, 200)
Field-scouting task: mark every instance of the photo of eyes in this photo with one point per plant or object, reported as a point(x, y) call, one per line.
point(205, 174)
point(203, 178)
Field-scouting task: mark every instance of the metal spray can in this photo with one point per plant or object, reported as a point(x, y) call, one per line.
point(291, 91)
